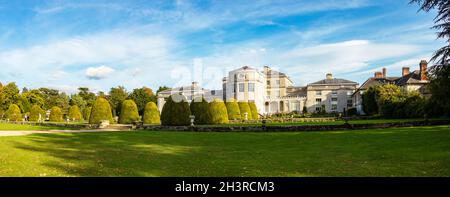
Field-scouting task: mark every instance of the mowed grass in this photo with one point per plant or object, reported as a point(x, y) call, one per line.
point(418, 151)
point(20, 127)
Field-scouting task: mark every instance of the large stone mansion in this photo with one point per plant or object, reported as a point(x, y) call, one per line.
point(274, 92)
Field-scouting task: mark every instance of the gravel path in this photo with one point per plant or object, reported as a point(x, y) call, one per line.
point(21, 133)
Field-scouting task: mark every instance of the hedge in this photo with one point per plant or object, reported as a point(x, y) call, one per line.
point(34, 113)
point(254, 110)
point(56, 115)
point(75, 114)
point(151, 114)
point(244, 107)
point(218, 111)
point(13, 113)
point(200, 109)
point(101, 110)
point(176, 111)
point(129, 112)
point(234, 113)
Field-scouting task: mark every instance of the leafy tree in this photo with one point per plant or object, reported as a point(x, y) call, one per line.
point(87, 113)
point(141, 96)
point(245, 108)
point(56, 114)
point(36, 110)
point(129, 112)
point(101, 110)
point(234, 113)
point(162, 88)
point(254, 109)
point(29, 99)
point(218, 111)
point(176, 111)
point(151, 114)
point(369, 101)
point(200, 109)
point(9, 95)
point(87, 96)
point(13, 113)
point(74, 113)
point(116, 97)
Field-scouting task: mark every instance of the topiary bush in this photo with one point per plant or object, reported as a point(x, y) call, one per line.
point(101, 110)
point(35, 112)
point(218, 111)
point(200, 109)
point(75, 114)
point(176, 111)
point(129, 112)
point(56, 115)
point(244, 107)
point(254, 110)
point(234, 113)
point(151, 114)
point(13, 113)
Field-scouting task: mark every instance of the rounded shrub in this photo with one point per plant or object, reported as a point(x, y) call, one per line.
point(101, 110)
point(218, 111)
point(234, 113)
point(254, 110)
point(176, 111)
point(75, 114)
point(87, 113)
point(13, 113)
point(245, 108)
point(200, 109)
point(129, 112)
point(35, 112)
point(151, 114)
point(56, 115)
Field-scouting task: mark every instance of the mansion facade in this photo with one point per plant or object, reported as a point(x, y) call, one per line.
point(274, 92)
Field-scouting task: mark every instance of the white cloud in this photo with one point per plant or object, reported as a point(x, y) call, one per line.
point(98, 73)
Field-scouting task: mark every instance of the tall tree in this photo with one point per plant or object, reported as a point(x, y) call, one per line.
point(116, 97)
point(10, 94)
point(141, 96)
point(87, 95)
point(440, 72)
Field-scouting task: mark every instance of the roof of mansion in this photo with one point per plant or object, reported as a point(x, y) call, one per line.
point(411, 78)
point(334, 81)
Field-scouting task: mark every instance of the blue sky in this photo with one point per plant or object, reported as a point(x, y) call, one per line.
point(101, 44)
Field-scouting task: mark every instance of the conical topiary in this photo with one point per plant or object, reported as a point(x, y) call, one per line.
point(151, 114)
point(200, 109)
point(176, 111)
point(254, 110)
point(129, 112)
point(75, 114)
point(35, 112)
point(13, 113)
point(218, 111)
point(87, 113)
point(56, 115)
point(234, 113)
point(245, 108)
point(101, 110)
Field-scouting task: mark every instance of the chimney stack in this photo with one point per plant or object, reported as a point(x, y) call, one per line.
point(384, 73)
point(329, 76)
point(378, 75)
point(423, 70)
point(405, 71)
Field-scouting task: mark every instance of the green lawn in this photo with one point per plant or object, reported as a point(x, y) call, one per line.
point(419, 151)
point(19, 127)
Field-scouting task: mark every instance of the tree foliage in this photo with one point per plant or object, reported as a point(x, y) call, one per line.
point(245, 108)
point(101, 110)
point(141, 96)
point(35, 112)
point(218, 111)
point(369, 101)
point(151, 114)
point(176, 111)
point(234, 113)
point(116, 97)
point(254, 110)
point(13, 113)
point(75, 114)
point(129, 112)
point(200, 109)
point(56, 115)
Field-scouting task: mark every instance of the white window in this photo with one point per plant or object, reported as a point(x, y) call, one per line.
point(318, 93)
point(251, 87)
point(277, 93)
point(318, 101)
point(334, 99)
point(241, 87)
point(278, 82)
point(334, 93)
point(333, 107)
